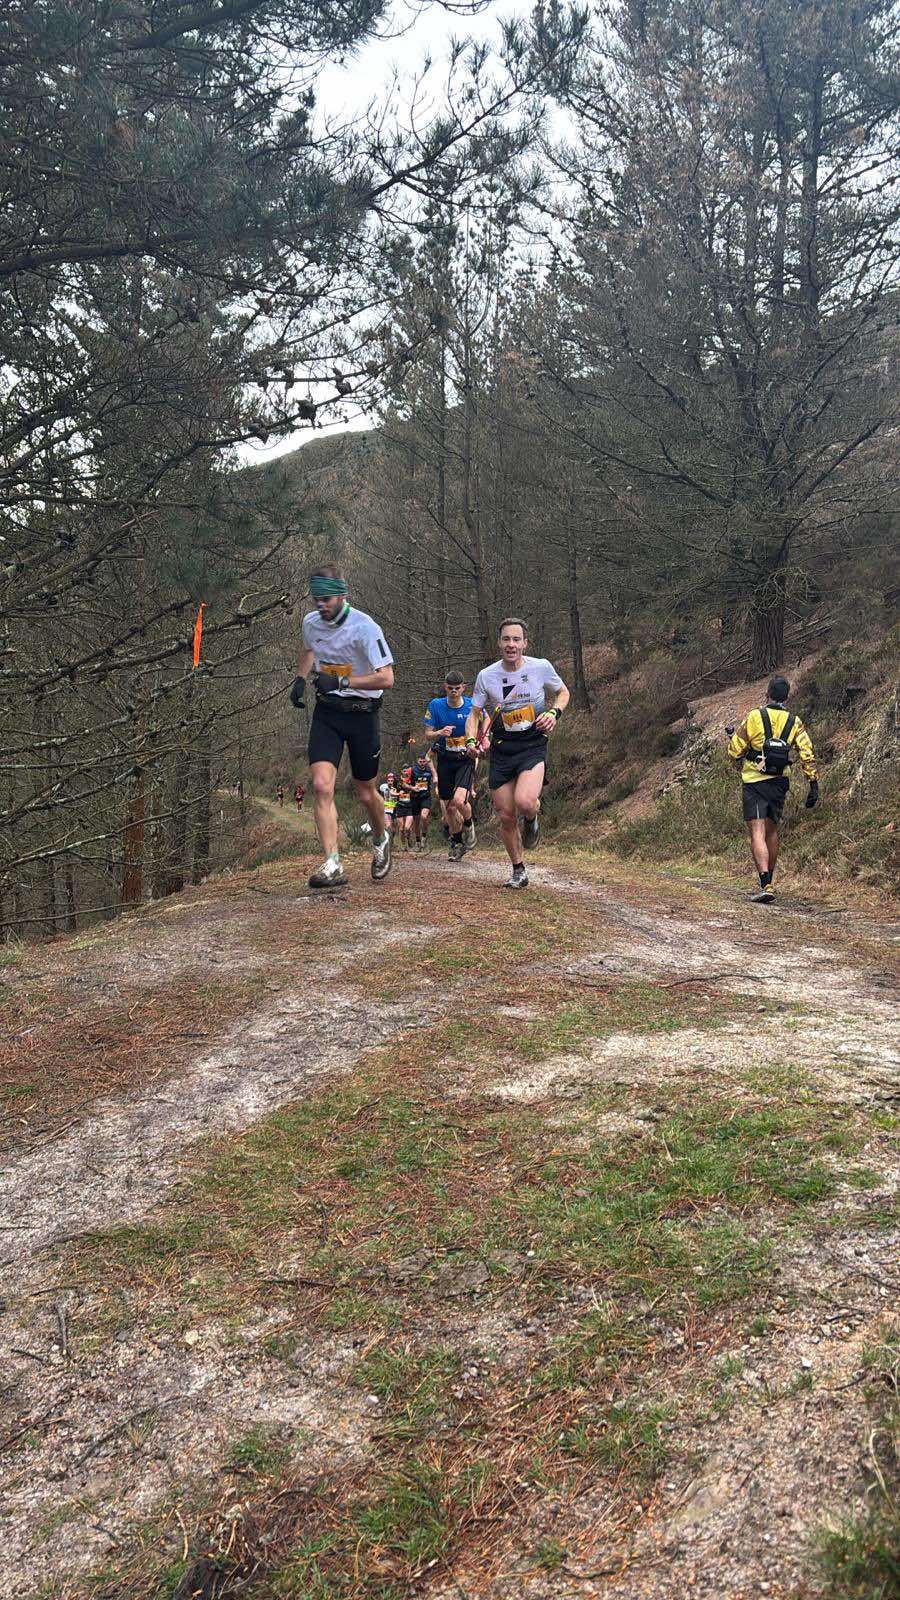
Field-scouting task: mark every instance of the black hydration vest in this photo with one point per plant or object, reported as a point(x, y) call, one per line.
point(775, 756)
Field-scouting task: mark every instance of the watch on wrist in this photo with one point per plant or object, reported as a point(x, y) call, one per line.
point(343, 681)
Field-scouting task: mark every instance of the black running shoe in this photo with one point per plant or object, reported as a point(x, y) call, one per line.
point(764, 897)
point(457, 850)
point(518, 878)
point(530, 830)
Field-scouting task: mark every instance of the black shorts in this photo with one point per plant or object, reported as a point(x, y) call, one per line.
point(764, 801)
point(403, 809)
point(454, 773)
point(508, 760)
point(420, 803)
point(332, 728)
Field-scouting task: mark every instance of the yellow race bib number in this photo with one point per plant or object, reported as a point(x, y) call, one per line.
point(456, 741)
point(517, 718)
point(341, 669)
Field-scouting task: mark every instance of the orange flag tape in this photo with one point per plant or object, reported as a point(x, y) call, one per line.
point(198, 633)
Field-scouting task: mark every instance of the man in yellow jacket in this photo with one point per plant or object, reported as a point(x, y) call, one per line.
point(766, 743)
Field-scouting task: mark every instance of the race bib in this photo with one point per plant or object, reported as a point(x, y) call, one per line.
point(456, 741)
point(341, 669)
point(517, 718)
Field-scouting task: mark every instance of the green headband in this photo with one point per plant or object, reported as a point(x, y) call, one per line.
point(326, 588)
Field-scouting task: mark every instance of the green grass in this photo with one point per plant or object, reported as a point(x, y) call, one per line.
point(413, 1383)
point(258, 1453)
point(411, 1522)
point(624, 1437)
point(549, 1555)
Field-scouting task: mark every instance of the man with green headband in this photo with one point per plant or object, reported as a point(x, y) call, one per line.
point(353, 667)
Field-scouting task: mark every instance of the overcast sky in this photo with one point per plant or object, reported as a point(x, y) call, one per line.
point(409, 35)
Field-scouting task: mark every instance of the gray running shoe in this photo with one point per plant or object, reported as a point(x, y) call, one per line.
point(764, 897)
point(381, 858)
point(518, 878)
point(469, 839)
point(457, 850)
point(530, 830)
point(330, 875)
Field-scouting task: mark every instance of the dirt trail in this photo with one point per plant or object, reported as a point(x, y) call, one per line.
point(65, 1491)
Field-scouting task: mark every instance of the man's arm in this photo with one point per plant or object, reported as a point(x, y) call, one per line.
point(478, 717)
point(298, 687)
point(546, 722)
point(739, 743)
point(805, 751)
point(381, 678)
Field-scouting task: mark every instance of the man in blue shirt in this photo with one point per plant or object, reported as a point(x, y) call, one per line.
point(445, 723)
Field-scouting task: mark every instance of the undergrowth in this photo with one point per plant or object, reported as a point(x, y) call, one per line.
point(854, 831)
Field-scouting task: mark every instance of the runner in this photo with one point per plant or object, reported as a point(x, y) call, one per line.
point(353, 667)
point(389, 796)
point(421, 799)
point(279, 794)
point(763, 746)
point(403, 809)
point(509, 709)
point(299, 792)
point(446, 720)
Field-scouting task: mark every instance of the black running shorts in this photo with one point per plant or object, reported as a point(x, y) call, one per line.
point(420, 803)
point(332, 728)
point(508, 760)
point(454, 774)
point(764, 801)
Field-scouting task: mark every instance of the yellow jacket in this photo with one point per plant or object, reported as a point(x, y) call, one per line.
point(748, 740)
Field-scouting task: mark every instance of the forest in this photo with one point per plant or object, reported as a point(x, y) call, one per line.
point(604, 333)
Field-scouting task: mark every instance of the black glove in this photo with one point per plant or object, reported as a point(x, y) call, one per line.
point(327, 682)
point(297, 695)
point(812, 795)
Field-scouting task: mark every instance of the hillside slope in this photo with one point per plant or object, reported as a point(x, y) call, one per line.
point(646, 771)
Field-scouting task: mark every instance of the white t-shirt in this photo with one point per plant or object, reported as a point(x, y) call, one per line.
point(349, 648)
point(515, 699)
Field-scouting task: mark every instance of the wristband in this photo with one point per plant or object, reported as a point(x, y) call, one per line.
point(471, 744)
point(555, 712)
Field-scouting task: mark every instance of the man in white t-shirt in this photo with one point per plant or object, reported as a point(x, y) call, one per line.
point(353, 667)
point(511, 714)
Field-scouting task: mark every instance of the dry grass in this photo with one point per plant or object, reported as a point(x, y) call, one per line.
point(59, 1057)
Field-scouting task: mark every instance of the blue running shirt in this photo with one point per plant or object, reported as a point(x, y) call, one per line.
point(441, 714)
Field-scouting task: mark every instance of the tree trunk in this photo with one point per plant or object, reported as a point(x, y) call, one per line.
point(242, 799)
point(69, 886)
point(177, 854)
point(767, 626)
point(581, 696)
point(133, 842)
point(45, 867)
point(201, 815)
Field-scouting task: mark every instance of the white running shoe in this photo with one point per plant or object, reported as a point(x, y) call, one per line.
point(381, 858)
point(518, 878)
point(469, 838)
point(330, 875)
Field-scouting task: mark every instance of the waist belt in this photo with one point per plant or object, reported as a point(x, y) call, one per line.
point(343, 702)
